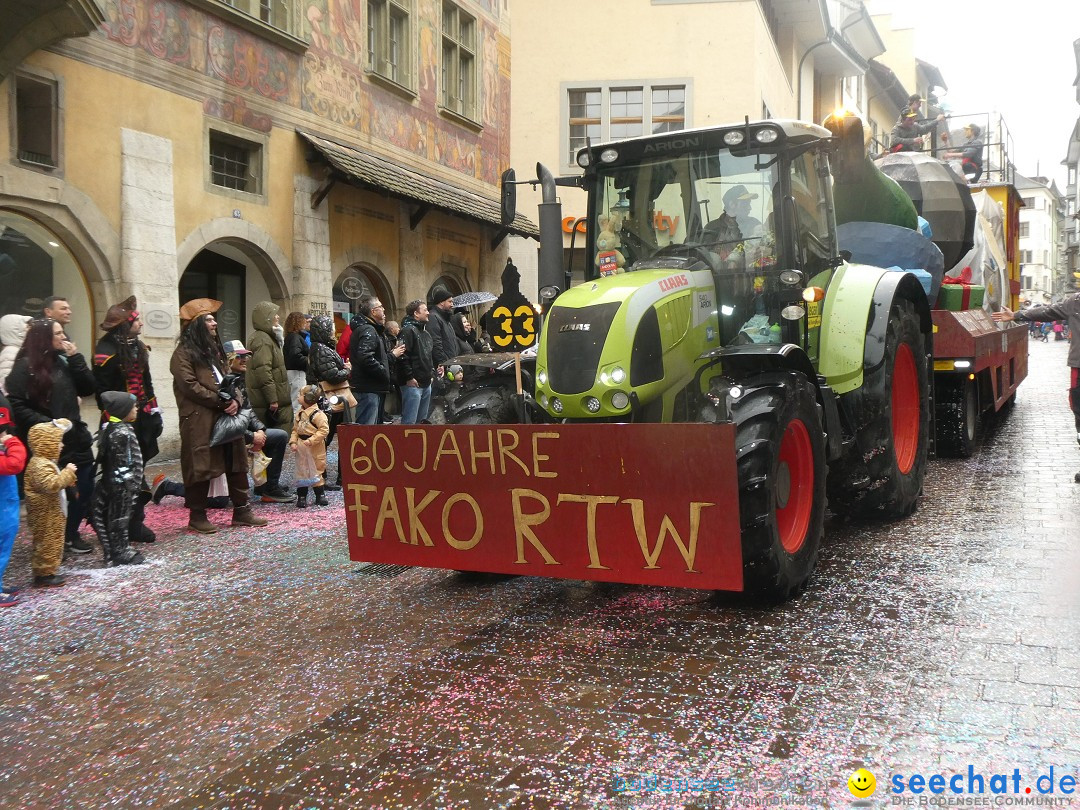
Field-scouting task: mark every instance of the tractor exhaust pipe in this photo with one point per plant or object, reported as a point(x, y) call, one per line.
point(550, 272)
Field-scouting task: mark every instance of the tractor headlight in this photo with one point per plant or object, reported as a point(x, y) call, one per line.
point(541, 377)
point(619, 400)
point(592, 404)
point(583, 159)
point(556, 404)
point(767, 135)
point(609, 156)
point(618, 374)
point(792, 313)
point(734, 138)
point(543, 400)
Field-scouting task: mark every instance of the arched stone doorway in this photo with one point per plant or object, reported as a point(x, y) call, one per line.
point(36, 263)
point(237, 273)
point(355, 282)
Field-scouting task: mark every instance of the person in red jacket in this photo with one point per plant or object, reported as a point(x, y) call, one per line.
point(12, 462)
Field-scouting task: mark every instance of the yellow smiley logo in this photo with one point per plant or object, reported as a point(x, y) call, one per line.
point(862, 783)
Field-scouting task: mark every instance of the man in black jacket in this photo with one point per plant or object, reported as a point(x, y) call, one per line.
point(370, 377)
point(122, 363)
point(415, 365)
point(443, 339)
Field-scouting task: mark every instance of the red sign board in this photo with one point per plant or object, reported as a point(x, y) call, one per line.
point(643, 504)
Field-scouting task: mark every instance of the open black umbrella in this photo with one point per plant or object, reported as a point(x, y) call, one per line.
point(941, 197)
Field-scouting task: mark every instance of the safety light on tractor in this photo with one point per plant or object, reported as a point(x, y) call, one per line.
point(811, 294)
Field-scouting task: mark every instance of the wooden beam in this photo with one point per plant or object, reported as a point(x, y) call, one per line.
point(418, 215)
point(319, 194)
point(498, 238)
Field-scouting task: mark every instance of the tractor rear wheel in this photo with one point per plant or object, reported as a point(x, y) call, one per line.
point(956, 416)
point(780, 452)
point(881, 475)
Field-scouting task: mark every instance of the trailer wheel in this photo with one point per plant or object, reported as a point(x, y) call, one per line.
point(956, 414)
point(882, 474)
point(780, 452)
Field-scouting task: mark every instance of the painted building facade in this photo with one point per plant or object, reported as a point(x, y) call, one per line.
point(300, 151)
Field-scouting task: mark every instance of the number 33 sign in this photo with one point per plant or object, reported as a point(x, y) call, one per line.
point(517, 327)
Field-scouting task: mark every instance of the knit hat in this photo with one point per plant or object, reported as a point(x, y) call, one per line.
point(199, 306)
point(438, 295)
point(119, 313)
point(118, 403)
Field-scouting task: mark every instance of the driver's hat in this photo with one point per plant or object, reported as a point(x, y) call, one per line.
point(738, 193)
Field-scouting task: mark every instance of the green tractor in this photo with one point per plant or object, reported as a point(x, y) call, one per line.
point(717, 293)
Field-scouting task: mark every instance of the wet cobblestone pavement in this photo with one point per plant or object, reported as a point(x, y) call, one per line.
point(263, 669)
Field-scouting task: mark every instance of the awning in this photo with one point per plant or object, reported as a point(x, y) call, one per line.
point(365, 169)
point(891, 84)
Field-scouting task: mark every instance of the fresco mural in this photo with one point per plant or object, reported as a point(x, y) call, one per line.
point(162, 29)
point(176, 32)
point(329, 79)
point(236, 111)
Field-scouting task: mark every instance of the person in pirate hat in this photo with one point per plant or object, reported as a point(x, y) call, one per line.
point(198, 366)
point(122, 364)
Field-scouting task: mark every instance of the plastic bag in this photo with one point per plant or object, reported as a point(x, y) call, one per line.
point(259, 462)
point(230, 428)
point(306, 472)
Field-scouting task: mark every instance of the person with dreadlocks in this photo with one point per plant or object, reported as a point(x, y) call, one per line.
point(198, 367)
point(122, 363)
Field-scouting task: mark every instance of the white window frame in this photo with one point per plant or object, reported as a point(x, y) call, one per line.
point(647, 86)
point(390, 42)
point(459, 63)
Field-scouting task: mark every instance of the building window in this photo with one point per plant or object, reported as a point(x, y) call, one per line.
point(459, 62)
point(1029, 202)
point(36, 117)
point(389, 41)
point(1025, 256)
point(1024, 228)
point(614, 111)
point(235, 163)
point(275, 13)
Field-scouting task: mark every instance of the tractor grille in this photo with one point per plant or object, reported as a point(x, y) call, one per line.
point(575, 341)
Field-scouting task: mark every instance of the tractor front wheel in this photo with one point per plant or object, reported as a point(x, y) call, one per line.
point(780, 452)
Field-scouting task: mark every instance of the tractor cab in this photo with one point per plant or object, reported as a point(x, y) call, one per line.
point(700, 240)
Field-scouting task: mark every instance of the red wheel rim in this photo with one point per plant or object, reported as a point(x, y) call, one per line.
point(905, 408)
point(795, 486)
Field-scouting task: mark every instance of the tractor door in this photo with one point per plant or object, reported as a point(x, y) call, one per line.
point(813, 232)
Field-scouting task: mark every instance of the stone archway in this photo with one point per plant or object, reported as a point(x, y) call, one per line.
point(251, 240)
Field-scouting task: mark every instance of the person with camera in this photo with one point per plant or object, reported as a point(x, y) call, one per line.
point(370, 378)
point(198, 367)
point(327, 370)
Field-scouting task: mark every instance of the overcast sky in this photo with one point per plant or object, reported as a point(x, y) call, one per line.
point(1012, 57)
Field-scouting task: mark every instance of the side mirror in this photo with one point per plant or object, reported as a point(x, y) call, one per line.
point(508, 197)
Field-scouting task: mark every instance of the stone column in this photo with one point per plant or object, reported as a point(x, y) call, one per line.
point(413, 276)
point(312, 284)
point(148, 258)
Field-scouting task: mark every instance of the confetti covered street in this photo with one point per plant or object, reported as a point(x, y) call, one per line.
point(261, 668)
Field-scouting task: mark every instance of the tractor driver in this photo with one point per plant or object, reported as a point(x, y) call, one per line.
point(735, 223)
